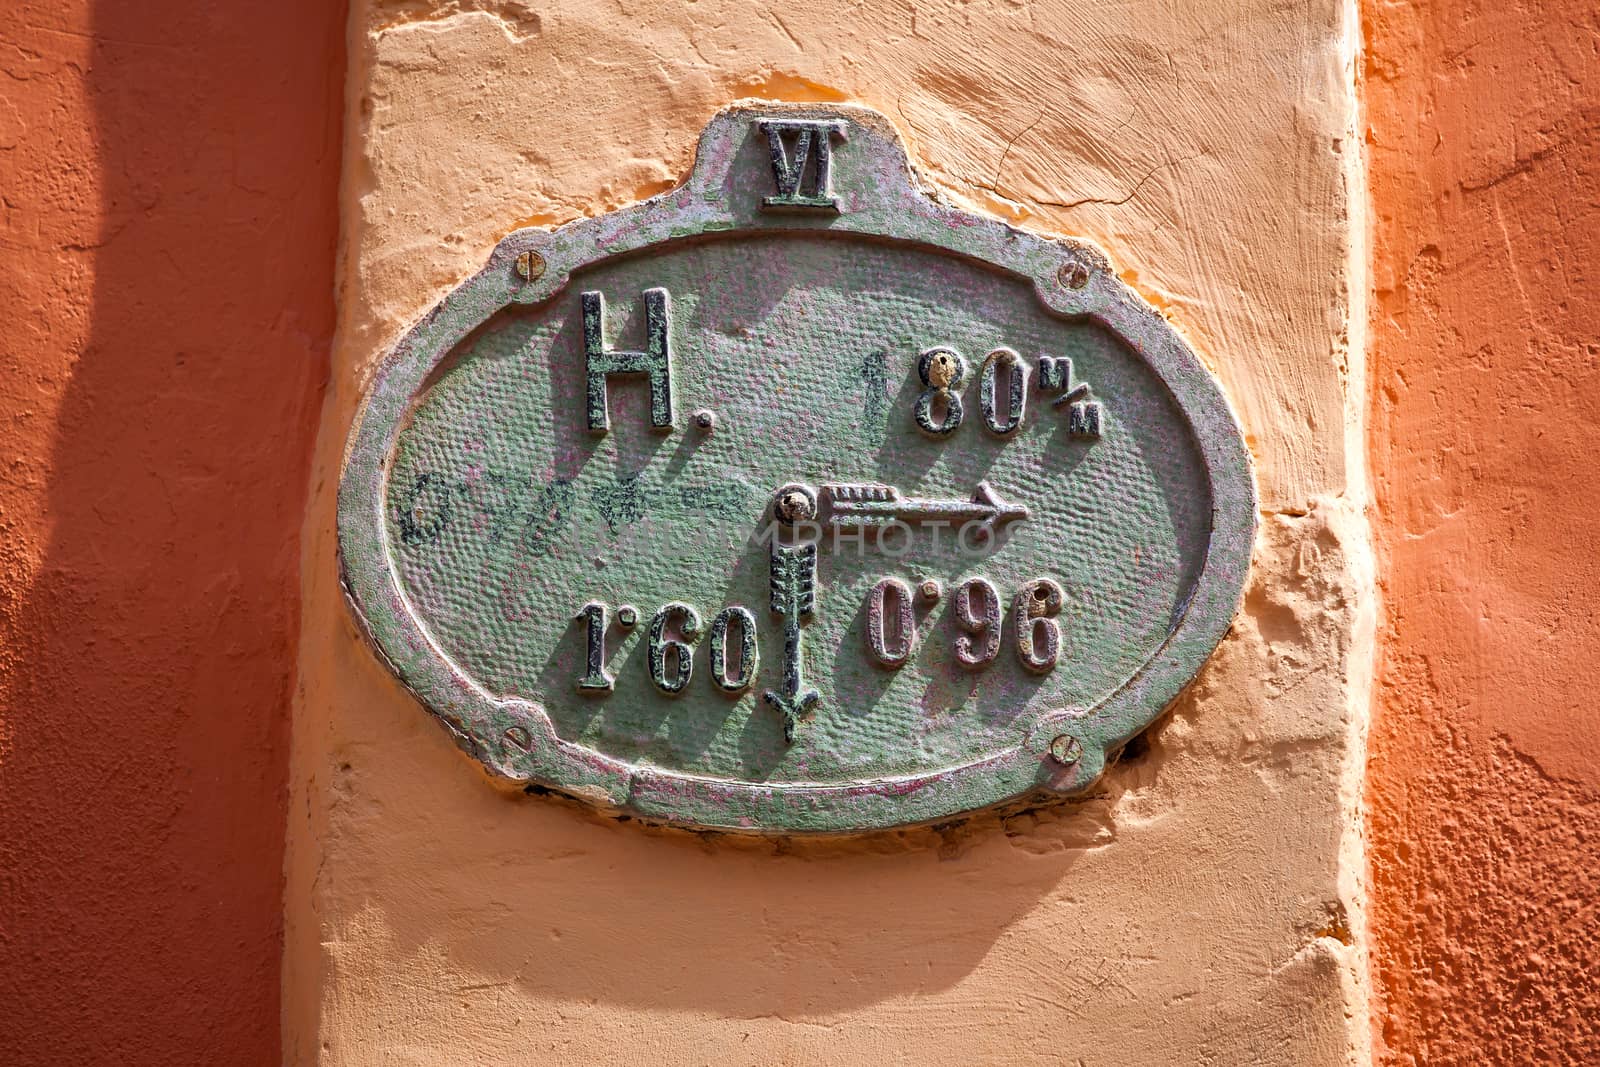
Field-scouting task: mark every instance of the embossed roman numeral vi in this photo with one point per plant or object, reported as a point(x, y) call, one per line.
point(811, 154)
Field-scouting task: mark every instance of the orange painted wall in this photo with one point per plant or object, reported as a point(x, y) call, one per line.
point(168, 222)
point(1484, 782)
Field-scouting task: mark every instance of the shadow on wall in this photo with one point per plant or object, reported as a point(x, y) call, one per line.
point(467, 899)
point(151, 662)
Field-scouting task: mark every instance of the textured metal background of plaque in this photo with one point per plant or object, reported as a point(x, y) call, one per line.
point(498, 512)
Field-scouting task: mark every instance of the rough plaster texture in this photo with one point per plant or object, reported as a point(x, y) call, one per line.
point(1202, 907)
point(166, 269)
point(1485, 793)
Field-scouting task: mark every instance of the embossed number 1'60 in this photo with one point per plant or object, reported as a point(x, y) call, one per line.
point(732, 674)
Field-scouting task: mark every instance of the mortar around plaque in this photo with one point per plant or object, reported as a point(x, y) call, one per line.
point(955, 516)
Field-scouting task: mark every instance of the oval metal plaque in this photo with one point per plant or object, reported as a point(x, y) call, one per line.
point(795, 500)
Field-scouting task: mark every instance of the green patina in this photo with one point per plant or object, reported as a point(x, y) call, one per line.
point(509, 494)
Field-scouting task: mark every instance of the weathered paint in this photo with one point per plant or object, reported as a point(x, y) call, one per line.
point(467, 571)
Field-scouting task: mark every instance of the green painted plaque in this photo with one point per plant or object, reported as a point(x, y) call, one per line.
point(795, 499)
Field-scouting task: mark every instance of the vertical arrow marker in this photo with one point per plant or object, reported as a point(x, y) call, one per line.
point(794, 586)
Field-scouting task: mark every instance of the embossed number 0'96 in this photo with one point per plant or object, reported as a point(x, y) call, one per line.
point(892, 635)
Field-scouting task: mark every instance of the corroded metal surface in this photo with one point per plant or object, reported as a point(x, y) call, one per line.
point(954, 516)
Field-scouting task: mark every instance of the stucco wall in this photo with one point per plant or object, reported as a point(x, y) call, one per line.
point(1202, 906)
point(168, 221)
point(1485, 791)
point(168, 212)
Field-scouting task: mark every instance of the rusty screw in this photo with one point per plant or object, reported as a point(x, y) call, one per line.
point(627, 616)
point(1073, 274)
point(531, 266)
point(1066, 750)
point(795, 503)
point(706, 420)
point(930, 589)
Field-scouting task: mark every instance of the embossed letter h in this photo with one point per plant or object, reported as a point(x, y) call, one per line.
point(655, 360)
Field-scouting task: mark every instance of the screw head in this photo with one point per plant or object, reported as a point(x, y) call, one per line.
point(1066, 750)
point(1073, 274)
point(627, 616)
point(795, 503)
point(530, 265)
point(706, 420)
point(930, 589)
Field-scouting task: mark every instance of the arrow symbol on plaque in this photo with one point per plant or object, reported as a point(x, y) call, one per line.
point(869, 504)
point(794, 592)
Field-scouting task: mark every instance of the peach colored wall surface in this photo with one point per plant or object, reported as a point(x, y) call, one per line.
point(167, 233)
point(1484, 781)
point(1204, 905)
